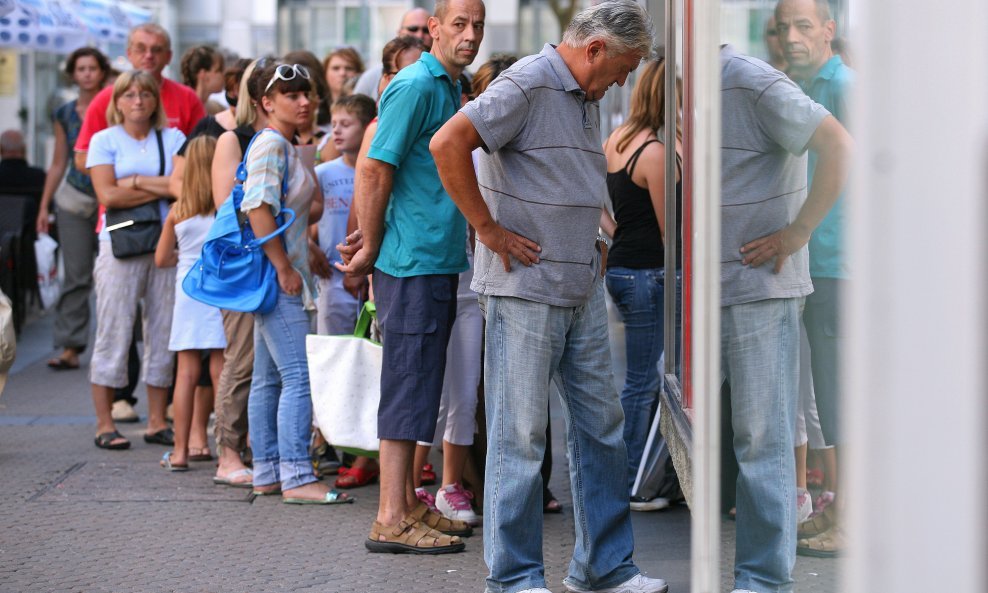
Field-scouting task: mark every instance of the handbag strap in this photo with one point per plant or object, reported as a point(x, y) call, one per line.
point(161, 153)
point(367, 314)
point(241, 175)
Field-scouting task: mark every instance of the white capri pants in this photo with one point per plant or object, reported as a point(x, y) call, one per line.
point(457, 421)
point(807, 420)
point(120, 285)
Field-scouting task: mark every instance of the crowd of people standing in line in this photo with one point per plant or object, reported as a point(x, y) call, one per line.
point(452, 201)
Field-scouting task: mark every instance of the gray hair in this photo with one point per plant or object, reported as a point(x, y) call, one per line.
point(623, 26)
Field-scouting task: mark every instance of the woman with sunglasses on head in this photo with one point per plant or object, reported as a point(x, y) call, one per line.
point(76, 204)
point(238, 358)
point(129, 163)
point(279, 407)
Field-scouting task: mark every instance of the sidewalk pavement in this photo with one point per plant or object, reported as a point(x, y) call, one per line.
point(75, 518)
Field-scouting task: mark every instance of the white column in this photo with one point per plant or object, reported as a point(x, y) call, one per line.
point(705, 531)
point(915, 410)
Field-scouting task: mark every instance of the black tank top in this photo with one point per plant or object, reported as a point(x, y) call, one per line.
point(637, 240)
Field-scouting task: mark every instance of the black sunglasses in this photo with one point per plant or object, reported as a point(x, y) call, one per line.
point(417, 28)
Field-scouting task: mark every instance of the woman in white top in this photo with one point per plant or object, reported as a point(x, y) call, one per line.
point(124, 162)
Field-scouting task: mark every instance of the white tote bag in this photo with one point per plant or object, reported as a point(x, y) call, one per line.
point(345, 379)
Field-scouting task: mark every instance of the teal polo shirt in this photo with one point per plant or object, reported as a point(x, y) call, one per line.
point(423, 229)
point(831, 87)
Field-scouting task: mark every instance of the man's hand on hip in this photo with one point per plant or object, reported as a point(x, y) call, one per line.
point(507, 245)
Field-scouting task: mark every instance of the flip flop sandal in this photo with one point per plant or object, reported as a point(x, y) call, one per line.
point(828, 544)
point(166, 462)
point(60, 364)
point(331, 497)
point(355, 477)
point(231, 479)
point(440, 523)
point(165, 436)
point(271, 492)
point(204, 454)
point(411, 538)
point(105, 441)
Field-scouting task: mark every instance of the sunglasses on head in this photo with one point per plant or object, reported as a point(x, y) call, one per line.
point(287, 72)
point(417, 28)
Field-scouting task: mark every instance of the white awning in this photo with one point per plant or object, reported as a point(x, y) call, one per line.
point(61, 26)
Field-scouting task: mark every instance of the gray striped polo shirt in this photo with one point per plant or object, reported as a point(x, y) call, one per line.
point(542, 175)
point(767, 121)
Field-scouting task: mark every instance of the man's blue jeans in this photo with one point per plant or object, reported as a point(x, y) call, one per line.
point(760, 361)
point(279, 408)
point(639, 295)
point(528, 345)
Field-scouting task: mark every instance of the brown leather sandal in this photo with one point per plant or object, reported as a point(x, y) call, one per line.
point(440, 523)
point(411, 537)
point(817, 524)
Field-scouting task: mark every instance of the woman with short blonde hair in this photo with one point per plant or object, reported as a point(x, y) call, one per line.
point(129, 163)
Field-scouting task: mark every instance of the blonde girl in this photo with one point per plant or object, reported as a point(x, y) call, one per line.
point(196, 327)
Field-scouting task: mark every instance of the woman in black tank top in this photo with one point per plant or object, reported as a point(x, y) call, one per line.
point(635, 264)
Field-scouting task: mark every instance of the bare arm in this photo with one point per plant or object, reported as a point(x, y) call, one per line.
point(59, 162)
point(166, 254)
point(263, 223)
point(225, 161)
point(369, 132)
point(117, 193)
point(157, 184)
point(376, 180)
point(653, 167)
point(607, 223)
point(175, 179)
point(833, 146)
point(451, 147)
point(80, 160)
point(317, 205)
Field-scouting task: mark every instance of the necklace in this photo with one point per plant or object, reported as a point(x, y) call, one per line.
point(144, 145)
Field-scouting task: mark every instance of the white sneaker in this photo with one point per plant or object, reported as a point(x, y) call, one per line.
point(652, 504)
point(122, 411)
point(804, 505)
point(636, 584)
point(536, 590)
point(453, 502)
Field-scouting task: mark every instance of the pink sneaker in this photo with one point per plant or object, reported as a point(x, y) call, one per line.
point(804, 505)
point(453, 502)
point(823, 501)
point(429, 500)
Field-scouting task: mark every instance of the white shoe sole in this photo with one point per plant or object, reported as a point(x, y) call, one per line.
point(656, 504)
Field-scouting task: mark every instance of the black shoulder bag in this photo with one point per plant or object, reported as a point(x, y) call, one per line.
point(135, 231)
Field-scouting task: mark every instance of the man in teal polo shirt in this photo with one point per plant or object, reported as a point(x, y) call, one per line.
point(413, 242)
point(806, 29)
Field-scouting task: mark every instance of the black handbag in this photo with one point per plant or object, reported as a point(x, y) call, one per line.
point(135, 231)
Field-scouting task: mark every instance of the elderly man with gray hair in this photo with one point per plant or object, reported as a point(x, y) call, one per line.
point(536, 200)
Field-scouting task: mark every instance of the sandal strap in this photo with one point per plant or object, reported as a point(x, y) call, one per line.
point(434, 520)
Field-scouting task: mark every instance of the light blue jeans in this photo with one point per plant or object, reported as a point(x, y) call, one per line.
point(760, 361)
point(279, 408)
point(529, 344)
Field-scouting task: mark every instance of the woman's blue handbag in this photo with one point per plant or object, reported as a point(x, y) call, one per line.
point(233, 272)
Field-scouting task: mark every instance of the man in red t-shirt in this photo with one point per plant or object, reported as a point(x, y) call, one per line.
point(149, 48)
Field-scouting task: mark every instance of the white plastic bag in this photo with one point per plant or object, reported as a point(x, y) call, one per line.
point(45, 249)
point(8, 339)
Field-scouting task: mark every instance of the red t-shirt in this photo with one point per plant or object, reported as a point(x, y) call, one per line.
point(182, 106)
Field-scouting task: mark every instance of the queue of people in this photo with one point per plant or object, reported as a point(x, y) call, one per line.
point(471, 212)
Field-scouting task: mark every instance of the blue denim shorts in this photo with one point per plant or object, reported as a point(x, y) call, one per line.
point(416, 315)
